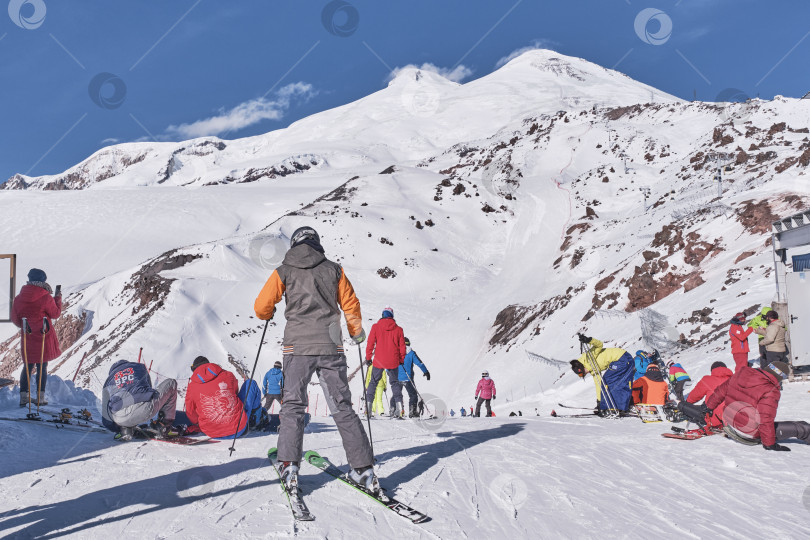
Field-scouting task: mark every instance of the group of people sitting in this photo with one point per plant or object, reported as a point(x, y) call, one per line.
point(743, 402)
point(215, 404)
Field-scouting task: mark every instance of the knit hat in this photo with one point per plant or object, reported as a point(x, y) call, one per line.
point(739, 318)
point(407, 342)
point(718, 364)
point(277, 364)
point(200, 360)
point(35, 274)
point(388, 313)
point(653, 367)
point(780, 370)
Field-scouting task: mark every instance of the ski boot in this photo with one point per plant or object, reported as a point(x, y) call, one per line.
point(162, 427)
point(414, 412)
point(125, 434)
point(23, 399)
point(288, 470)
point(40, 401)
point(366, 478)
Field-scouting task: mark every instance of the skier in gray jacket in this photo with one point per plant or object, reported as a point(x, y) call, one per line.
point(316, 290)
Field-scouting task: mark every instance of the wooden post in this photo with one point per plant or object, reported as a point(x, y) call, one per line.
point(139, 355)
point(80, 367)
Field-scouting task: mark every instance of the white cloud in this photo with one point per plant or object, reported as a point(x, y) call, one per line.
point(109, 141)
point(456, 74)
point(245, 114)
point(536, 44)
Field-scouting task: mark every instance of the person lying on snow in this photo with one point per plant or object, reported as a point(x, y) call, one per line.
point(615, 368)
point(652, 388)
point(706, 387)
point(128, 400)
point(213, 404)
point(751, 398)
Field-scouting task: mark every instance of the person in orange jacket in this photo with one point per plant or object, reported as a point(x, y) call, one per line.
point(652, 388)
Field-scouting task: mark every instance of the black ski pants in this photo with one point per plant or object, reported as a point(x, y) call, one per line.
point(25, 383)
point(792, 430)
point(478, 407)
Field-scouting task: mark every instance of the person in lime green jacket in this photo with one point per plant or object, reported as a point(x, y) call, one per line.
point(760, 322)
point(377, 407)
point(615, 370)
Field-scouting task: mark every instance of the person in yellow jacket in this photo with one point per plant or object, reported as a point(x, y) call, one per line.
point(759, 323)
point(614, 370)
point(377, 407)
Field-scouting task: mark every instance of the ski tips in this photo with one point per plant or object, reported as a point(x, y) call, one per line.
point(553, 412)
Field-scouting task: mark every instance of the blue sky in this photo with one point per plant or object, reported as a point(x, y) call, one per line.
point(173, 70)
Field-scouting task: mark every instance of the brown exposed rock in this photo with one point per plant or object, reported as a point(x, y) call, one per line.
point(693, 282)
point(744, 255)
point(386, 273)
point(756, 216)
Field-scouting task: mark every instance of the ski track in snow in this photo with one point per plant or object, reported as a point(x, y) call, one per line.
point(523, 477)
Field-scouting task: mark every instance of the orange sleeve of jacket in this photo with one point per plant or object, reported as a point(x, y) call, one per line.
point(270, 295)
point(350, 305)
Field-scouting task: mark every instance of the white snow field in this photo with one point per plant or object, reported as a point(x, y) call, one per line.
point(498, 218)
point(503, 477)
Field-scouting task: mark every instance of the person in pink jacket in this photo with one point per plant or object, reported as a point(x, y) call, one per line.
point(484, 392)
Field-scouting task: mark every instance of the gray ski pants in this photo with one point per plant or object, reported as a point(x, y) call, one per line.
point(140, 413)
point(331, 369)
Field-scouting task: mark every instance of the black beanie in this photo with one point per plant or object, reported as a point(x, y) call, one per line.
point(200, 360)
point(718, 364)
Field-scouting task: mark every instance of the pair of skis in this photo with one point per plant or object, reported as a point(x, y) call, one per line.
point(647, 413)
point(299, 507)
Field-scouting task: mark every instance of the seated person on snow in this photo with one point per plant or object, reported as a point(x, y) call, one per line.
point(212, 401)
point(706, 387)
point(679, 379)
point(751, 398)
point(652, 388)
point(615, 370)
point(128, 400)
point(642, 360)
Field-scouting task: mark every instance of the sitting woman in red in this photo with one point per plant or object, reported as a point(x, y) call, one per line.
point(212, 401)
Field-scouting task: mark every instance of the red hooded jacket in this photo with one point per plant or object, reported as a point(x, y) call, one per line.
point(34, 303)
point(386, 342)
point(706, 387)
point(751, 397)
point(213, 403)
point(739, 338)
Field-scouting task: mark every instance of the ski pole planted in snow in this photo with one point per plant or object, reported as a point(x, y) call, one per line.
point(45, 328)
point(368, 418)
point(140, 352)
point(26, 329)
point(249, 387)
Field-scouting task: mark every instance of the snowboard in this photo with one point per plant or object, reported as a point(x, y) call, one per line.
point(691, 434)
point(401, 509)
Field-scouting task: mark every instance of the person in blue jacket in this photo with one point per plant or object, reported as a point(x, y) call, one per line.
point(128, 399)
point(273, 386)
point(642, 361)
point(406, 380)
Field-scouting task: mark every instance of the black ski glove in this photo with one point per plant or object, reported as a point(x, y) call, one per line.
point(493, 397)
point(777, 447)
point(584, 339)
point(368, 361)
point(427, 375)
point(706, 410)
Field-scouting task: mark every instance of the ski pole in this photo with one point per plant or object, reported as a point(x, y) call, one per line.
point(45, 328)
point(80, 367)
point(26, 329)
point(416, 390)
point(249, 388)
point(368, 418)
point(140, 352)
point(597, 373)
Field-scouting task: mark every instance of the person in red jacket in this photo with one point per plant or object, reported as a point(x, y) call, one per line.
point(706, 387)
point(212, 400)
point(484, 392)
point(751, 397)
point(35, 303)
point(386, 345)
point(739, 340)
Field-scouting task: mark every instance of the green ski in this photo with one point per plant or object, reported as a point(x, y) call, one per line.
point(293, 493)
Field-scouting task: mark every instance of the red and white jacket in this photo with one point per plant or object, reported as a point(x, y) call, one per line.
point(212, 401)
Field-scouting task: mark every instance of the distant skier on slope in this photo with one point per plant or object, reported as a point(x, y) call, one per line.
point(272, 385)
point(406, 380)
point(316, 289)
point(463, 412)
point(484, 392)
point(652, 388)
point(212, 401)
point(615, 370)
point(41, 345)
point(386, 345)
point(739, 340)
point(377, 406)
point(128, 400)
point(706, 387)
point(751, 398)
point(773, 338)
